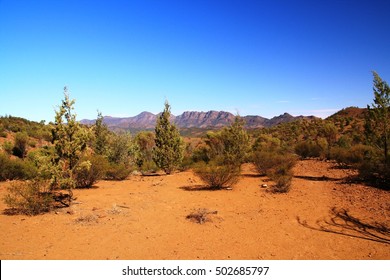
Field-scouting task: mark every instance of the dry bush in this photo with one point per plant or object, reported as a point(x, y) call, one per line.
point(277, 166)
point(283, 184)
point(87, 219)
point(29, 197)
point(217, 176)
point(200, 216)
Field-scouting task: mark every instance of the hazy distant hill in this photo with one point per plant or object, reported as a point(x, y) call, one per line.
point(194, 119)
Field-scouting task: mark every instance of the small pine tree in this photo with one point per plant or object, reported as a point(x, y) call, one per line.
point(101, 136)
point(168, 152)
point(70, 141)
point(236, 142)
point(377, 126)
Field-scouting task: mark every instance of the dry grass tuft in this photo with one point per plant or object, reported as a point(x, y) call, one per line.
point(87, 219)
point(200, 216)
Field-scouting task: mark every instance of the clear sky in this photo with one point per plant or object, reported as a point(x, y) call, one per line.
point(251, 57)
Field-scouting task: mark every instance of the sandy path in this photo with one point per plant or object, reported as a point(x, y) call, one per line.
point(145, 218)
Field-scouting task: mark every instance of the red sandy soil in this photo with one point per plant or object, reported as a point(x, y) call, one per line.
point(144, 217)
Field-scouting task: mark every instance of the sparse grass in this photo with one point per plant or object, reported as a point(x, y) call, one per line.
point(200, 216)
point(86, 219)
point(115, 210)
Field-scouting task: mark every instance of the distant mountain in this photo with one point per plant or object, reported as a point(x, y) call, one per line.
point(194, 119)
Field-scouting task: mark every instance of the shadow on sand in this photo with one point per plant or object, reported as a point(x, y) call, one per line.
point(342, 223)
point(196, 188)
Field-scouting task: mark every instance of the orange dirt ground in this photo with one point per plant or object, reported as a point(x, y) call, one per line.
point(144, 217)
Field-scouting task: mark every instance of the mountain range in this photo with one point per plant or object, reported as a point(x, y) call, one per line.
point(193, 119)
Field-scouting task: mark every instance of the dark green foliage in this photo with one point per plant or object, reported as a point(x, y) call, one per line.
point(101, 134)
point(354, 156)
point(20, 144)
point(200, 154)
point(235, 141)
point(168, 150)
point(308, 149)
point(12, 169)
point(377, 126)
point(29, 197)
point(217, 175)
point(117, 171)
point(33, 129)
point(377, 131)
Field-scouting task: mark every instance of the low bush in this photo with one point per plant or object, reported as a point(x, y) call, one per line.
point(117, 171)
point(12, 169)
point(216, 175)
point(308, 149)
point(92, 169)
point(8, 147)
point(273, 163)
point(148, 166)
point(29, 197)
point(282, 184)
point(355, 156)
point(278, 166)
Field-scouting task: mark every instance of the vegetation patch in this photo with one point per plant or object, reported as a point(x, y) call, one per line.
point(201, 215)
point(217, 176)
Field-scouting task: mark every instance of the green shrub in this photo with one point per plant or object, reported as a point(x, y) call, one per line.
point(216, 175)
point(272, 163)
point(11, 169)
point(117, 171)
point(354, 156)
point(20, 144)
point(149, 166)
point(308, 149)
point(29, 197)
point(92, 169)
point(168, 151)
point(278, 166)
point(7, 146)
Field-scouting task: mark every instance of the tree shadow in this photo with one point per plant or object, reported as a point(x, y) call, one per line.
point(249, 175)
point(197, 188)
point(314, 178)
point(342, 223)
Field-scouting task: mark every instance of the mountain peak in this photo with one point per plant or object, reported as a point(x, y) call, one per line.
point(193, 119)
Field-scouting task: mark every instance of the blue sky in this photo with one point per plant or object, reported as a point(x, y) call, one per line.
point(251, 57)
